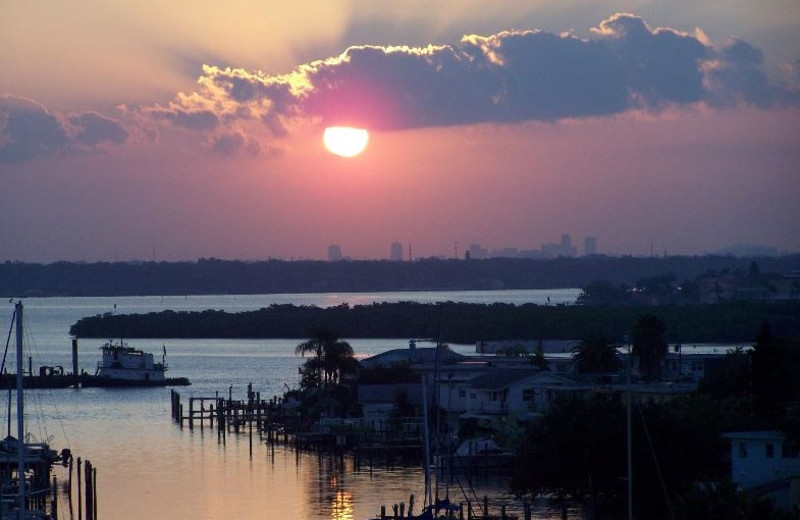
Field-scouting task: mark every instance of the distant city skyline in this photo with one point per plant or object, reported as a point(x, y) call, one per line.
point(548, 250)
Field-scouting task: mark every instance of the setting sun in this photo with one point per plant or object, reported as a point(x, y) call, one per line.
point(345, 141)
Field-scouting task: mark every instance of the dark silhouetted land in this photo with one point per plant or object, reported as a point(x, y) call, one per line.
point(233, 277)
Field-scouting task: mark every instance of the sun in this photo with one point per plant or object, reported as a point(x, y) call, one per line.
point(345, 141)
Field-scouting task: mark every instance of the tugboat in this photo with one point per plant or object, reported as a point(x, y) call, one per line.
point(122, 365)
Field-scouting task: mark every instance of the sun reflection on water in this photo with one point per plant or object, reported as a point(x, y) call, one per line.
point(342, 506)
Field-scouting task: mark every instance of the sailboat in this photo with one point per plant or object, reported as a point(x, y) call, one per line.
point(27, 487)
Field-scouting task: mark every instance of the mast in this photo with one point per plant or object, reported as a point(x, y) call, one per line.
point(428, 492)
point(629, 431)
point(20, 418)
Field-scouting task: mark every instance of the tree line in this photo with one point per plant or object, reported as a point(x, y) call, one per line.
point(454, 322)
point(213, 276)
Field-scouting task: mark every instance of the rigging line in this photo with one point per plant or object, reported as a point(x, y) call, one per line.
point(33, 351)
point(655, 459)
point(38, 401)
point(471, 488)
point(3, 366)
point(8, 341)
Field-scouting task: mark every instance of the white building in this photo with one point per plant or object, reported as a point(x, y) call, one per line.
point(334, 253)
point(396, 252)
point(519, 392)
point(590, 246)
point(767, 463)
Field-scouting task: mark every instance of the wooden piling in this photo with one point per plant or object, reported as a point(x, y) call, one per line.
point(54, 507)
point(80, 494)
point(89, 491)
point(94, 491)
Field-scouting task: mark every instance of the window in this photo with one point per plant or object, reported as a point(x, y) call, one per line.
point(527, 394)
point(462, 393)
point(742, 450)
point(788, 451)
point(769, 450)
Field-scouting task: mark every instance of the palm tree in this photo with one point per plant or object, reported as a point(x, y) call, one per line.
point(595, 353)
point(332, 358)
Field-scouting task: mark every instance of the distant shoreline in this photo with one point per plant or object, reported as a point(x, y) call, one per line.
point(215, 277)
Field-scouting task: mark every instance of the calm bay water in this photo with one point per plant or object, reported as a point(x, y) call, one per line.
point(149, 468)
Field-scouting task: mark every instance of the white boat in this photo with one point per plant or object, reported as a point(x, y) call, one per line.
point(129, 365)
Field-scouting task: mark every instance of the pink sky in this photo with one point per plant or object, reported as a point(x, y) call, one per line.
point(636, 134)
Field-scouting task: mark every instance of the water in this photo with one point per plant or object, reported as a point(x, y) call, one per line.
point(149, 468)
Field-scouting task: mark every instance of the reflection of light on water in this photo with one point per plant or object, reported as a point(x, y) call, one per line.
point(342, 506)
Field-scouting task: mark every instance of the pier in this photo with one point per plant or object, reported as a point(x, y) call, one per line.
point(264, 416)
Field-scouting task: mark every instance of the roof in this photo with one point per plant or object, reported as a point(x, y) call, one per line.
point(416, 355)
point(756, 435)
point(501, 378)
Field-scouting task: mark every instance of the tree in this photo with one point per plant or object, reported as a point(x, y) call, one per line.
point(595, 353)
point(602, 292)
point(649, 345)
point(332, 358)
point(724, 500)
point(537, 359)
point(577, 450)
point(775, 374)
point(659, 289)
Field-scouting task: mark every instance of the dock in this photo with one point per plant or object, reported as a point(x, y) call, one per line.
point(264, 416)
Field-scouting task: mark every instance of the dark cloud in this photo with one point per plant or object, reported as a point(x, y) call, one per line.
point(737, 77)
point(189, 119)
point(95, 128)
point(509, 76)
point(28, 131)
point(660, 66)
point(233, 143)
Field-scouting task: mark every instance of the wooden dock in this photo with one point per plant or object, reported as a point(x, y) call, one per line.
point(253, 414)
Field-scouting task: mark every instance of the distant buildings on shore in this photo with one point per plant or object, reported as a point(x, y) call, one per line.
point(564, 248)
point(334, 253)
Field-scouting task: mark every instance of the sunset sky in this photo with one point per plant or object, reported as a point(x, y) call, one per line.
point(187, 129)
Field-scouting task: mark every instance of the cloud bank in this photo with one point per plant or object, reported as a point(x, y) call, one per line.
point(28, 130)
point(507, 77)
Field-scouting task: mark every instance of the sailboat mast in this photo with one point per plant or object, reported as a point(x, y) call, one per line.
point(428, 492)
point(20, 417)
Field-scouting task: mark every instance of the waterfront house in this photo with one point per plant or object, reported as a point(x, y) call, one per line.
point(519, 392)
point(768, 464)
